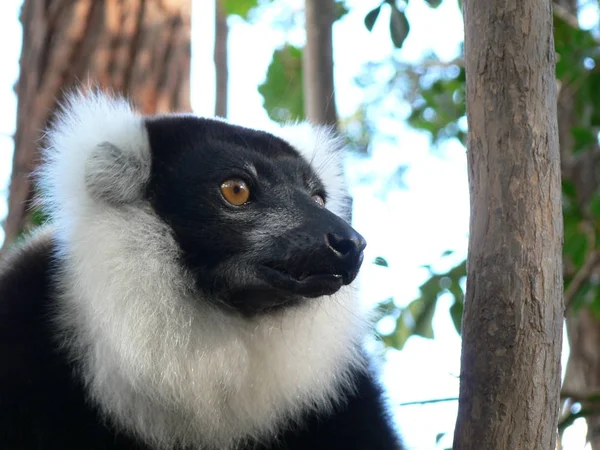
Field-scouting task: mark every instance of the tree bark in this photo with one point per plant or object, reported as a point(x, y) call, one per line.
point(319, 96)
point(220, 58)
point(512, 326)
point(140, 48)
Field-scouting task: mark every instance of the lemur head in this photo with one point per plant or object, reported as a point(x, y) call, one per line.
point(257, 217)
point(250, 214)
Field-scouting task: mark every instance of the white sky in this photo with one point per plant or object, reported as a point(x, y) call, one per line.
point(410, 228)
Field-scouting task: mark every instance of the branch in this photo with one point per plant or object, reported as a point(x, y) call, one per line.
point(585, 271)
point(565, 15)
point(581, 397)
point(425, 402)
point(580, 277)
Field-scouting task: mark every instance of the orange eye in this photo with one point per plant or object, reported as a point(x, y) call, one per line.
point(235, 191)
point(317, 198)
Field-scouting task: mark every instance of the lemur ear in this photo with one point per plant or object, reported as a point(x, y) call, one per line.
point(98, 150)
point(115, 175)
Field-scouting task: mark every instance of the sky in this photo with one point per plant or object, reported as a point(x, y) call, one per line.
point(409, 227)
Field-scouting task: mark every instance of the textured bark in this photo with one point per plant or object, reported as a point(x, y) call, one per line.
point(319, 97)
point(220, 58)
point(512, 326)
point(137, 47)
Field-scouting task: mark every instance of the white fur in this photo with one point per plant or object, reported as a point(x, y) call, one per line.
point(322, 148)
point(156, 359)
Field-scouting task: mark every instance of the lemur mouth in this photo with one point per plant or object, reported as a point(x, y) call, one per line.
point(306, 284)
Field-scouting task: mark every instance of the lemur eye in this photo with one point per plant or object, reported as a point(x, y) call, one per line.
point(235, 191)
point(317, 198)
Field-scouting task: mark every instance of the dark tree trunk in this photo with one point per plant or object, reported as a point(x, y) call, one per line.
point(220, 58)
point(137, 47)
point(318, 62)
point(512, 326)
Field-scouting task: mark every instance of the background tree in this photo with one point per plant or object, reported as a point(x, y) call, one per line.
point(319, 92)
point(220, 56)
point(512, 325)
point(580, 154)
point(140, 48)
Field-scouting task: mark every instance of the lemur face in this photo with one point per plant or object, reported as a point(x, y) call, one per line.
point(249, 213)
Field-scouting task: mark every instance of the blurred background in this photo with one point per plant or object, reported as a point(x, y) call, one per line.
point(389, 75)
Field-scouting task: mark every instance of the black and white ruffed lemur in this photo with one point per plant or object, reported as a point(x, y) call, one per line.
point(192, 290)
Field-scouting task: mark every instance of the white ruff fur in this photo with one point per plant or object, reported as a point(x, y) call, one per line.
point(156, 359)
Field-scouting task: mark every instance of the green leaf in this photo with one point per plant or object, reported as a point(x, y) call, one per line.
point(282, 90)
point(595, 205)
point(399, 26)
point(387, 308)
point(422, 314)
point(395, 340)
point(38, 218)
point(573, 46)
point(576, 244)
point(456, 313)
point(371, 18)
point(238, 7)
point(568, 188)
point(340, 10)
point(380, 261)
point(595, 98)
point(583, 138)
point(438, 105)
point(581, 297)
point(417, 317)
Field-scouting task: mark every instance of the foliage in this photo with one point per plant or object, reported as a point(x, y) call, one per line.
point(416, 318)
point(433, 90)
point(436, 93)
point(399, 25)
point(438, 106)
point(578, 69)
point(241, 8)
point(38, 218)
point(246, 9)
point(282, 90)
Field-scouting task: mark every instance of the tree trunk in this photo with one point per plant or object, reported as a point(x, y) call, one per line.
point(220, 58)
point(318, 62)
point(512, 326)
point(140, 48)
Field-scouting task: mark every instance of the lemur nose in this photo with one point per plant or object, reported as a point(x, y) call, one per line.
point(347, 247)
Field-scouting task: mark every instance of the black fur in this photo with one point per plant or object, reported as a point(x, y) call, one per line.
point(43, 403)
